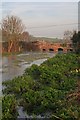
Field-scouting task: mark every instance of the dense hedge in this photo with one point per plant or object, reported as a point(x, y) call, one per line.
point(48, 89)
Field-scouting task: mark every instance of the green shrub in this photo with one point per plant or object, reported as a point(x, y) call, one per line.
point(9, 107)
point(44, 89)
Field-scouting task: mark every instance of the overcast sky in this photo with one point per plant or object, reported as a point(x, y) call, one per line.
point(44, 15)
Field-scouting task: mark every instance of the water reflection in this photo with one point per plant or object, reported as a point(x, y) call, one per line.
point(9, 69)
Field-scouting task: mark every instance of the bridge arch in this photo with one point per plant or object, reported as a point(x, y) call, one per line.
point(43, 49)
point(70, 50)
point(60, 50)
point(51, 50)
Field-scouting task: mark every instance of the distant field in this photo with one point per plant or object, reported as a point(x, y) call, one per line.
point(46, 39)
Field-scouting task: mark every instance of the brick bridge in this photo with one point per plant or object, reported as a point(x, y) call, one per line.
point(41, 46)
point(48, 46)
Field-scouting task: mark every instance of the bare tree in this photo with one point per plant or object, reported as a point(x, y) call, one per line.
point(67, 35)
point(12, 29)
point(25, 36)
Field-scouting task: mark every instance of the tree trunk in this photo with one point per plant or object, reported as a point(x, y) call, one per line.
point(10, 46)
point(13, 46)
point(16, 46)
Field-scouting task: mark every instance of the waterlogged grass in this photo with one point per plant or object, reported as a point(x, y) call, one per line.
point(49, 89)
point(30, 57)
point(33, 56)
point(25, 58)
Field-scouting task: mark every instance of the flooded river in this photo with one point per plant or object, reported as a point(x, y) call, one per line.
point(14, 65)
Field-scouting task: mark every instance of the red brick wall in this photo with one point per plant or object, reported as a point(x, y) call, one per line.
point(42, 45)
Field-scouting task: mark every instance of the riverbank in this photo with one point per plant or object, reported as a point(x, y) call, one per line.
point(45, 89)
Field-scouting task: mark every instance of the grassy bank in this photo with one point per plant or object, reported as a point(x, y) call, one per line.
point(49, 89)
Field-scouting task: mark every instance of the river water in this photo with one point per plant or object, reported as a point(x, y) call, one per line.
point(14, 65)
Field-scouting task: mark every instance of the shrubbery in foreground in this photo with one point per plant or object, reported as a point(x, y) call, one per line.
point(49, 89)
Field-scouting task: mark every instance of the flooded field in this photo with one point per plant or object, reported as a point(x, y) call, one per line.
point(14, 65)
